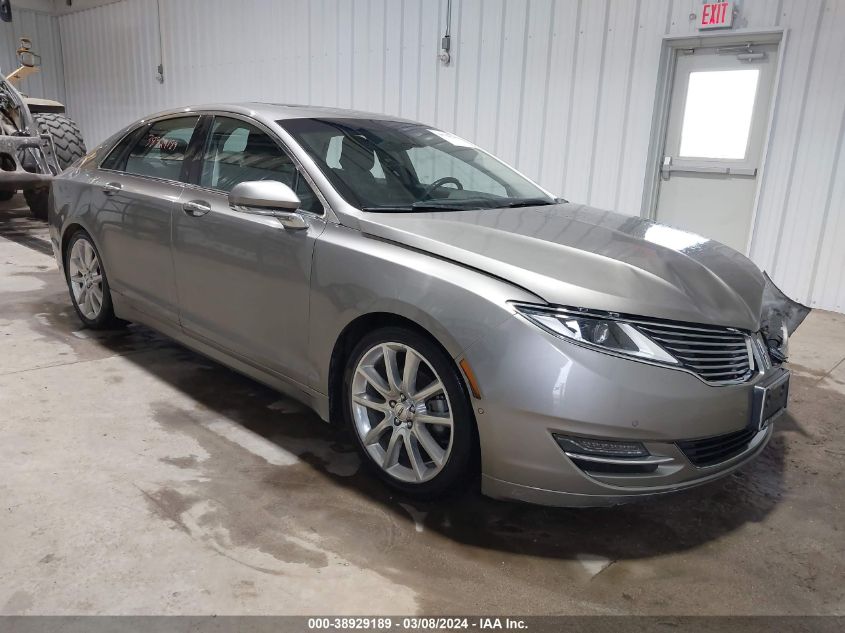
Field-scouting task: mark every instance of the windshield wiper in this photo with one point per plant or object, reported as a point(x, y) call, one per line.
point(386, 209)
point(462, 205)
point(524, 202)
point(419, 206)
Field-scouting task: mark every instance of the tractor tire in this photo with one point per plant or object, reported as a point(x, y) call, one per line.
point(37, 200)
point(67, 139)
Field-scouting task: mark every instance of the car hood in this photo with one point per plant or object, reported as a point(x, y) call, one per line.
point(575, 255)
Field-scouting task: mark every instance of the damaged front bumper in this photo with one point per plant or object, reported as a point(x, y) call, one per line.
point(780, 316)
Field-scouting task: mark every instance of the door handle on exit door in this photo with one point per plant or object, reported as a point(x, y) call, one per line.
point(196, 208)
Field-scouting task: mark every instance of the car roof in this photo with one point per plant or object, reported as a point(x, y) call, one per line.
point(279, 111)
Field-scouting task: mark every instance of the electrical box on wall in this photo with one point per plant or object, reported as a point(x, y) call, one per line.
point(5, 10)
point(716, 15)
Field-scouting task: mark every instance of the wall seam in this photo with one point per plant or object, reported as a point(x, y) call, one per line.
point(629, 87)
point(478, 83)
point(801, 121)
point(572, 89)
point(401, 51)
point(545, 110)
point(521, 107)
point(419, 59)
point(598, 107)
point(499, 77)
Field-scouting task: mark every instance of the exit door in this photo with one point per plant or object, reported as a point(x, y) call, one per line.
point(718, 115)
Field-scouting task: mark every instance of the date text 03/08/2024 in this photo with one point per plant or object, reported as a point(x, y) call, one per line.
point(416, 623)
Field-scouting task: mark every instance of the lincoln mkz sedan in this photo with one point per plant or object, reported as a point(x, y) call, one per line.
point(454, 315)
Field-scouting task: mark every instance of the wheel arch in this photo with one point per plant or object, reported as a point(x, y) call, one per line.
point(344, 345)
point(353, 332)
point(68, 232)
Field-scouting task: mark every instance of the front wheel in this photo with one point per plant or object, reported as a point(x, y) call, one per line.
point(88, 284)
point(406, 407)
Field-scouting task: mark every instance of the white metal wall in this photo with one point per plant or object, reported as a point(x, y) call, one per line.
point(564, 89)
point(43, 30)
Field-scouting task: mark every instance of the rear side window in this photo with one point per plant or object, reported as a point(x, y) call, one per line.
point(160, 151)
point(237, 151)
point(117, 157)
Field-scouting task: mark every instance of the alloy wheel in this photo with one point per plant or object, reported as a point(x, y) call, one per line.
point(86, 278)
point(401, 412)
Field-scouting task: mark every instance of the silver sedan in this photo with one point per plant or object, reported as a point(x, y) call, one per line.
point(452, 314)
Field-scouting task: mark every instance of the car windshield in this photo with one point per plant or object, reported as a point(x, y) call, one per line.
point(391, 166)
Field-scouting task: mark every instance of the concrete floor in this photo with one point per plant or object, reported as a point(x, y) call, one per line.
point(139, 478)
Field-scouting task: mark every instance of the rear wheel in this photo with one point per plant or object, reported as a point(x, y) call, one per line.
point(405, 405)
point(67, 138)
point(88, 284)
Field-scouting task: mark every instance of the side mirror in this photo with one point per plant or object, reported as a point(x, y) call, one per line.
point(263, 197)
point(268, 197)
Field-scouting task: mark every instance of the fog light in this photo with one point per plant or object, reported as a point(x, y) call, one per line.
point(602, 448)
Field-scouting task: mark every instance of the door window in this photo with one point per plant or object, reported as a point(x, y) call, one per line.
point(160, 151)
point(116, 159)
point(717, 113)
point(237, 151)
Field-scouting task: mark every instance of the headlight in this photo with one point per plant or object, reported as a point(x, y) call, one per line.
point(591, 330)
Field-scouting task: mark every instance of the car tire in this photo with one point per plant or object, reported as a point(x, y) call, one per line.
point(400, 426)
point(38, 201)
point(67, 138)
point(6, 195)
point(88, 284)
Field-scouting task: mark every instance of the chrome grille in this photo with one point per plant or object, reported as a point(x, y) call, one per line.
point(717, 354)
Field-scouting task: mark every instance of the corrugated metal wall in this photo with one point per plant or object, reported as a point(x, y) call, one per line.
point(563, 89)
point(43, 30)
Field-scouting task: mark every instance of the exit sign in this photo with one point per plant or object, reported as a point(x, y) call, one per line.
point(716, 15)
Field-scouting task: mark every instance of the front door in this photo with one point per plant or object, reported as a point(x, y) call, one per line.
point(243, 280)
point(718, 116)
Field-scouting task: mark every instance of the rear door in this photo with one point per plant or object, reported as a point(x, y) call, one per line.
point(243, 279)
point(136, 194)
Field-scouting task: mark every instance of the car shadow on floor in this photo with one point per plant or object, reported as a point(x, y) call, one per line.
point(654, 527)
point(17, 225)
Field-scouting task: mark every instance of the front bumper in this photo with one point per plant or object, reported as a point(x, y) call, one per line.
point(535, 385)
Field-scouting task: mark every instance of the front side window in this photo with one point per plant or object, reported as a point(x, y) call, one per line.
point(237, 151)
point(160, 151)
point(381, 165)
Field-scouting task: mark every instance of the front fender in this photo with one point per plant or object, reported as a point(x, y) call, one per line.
point(354, 275)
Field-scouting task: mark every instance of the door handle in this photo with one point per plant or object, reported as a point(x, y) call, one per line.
point(111, 188)
point(196, 208)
